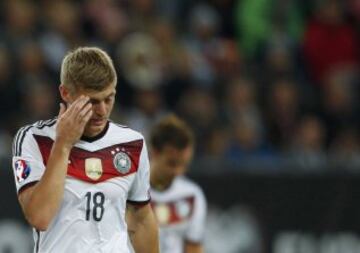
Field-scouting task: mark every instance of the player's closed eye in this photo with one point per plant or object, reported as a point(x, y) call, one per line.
point(109, 99)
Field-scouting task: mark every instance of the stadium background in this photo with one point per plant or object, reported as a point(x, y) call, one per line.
point(269, 86)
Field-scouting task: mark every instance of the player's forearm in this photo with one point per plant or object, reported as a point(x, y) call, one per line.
point(143, 232)
point(191, 247)
point(42, 204)
point(145, 239)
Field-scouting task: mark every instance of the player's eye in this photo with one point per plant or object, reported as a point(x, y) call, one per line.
point(109, 99)
point(94, 101)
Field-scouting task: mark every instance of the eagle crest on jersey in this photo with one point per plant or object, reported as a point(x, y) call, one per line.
point(122, 162)
point(93, 168)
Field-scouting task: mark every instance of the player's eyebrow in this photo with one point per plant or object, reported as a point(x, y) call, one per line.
point(96, 100)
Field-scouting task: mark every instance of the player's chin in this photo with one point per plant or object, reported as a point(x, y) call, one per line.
point(95, 126)
point(170, 179)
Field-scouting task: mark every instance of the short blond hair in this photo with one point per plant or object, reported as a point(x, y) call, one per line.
point(87, 68)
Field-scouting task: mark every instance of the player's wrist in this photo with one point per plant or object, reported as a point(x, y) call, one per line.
point(62, 146)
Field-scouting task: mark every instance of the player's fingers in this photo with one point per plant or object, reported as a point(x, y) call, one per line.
point(85, 110)
point(72, 105)
point(86, 117)
point(79, 104)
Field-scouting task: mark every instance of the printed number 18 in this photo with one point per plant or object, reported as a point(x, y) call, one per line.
point(97, 205)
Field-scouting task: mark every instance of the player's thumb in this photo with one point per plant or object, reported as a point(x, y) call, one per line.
point(62, 109)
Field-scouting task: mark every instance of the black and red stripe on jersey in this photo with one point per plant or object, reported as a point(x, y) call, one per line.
point(76, 167)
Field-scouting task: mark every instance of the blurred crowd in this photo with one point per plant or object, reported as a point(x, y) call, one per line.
point(264, 83)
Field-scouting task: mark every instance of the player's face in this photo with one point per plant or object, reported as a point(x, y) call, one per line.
point(102, 105)
point(172, 162)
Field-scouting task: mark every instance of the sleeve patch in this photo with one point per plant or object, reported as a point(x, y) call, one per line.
point(22, 170)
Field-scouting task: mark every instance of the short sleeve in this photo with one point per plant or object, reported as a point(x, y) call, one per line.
point(27, 162)
point(140, 190)
point(196, 229)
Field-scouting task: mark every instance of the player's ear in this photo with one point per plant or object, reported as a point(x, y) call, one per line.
point(64, 93)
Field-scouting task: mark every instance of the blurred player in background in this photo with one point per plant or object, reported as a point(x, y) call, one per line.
point(78, 173)
point(179, 204)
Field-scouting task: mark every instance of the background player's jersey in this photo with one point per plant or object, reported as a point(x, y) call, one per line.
point(103, 174)
point(181, 213)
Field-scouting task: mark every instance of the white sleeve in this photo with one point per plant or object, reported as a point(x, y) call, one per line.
point(140, 189)
point(196, 229)
point(27, 162)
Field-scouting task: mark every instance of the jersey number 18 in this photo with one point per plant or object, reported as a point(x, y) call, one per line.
point(96, 203)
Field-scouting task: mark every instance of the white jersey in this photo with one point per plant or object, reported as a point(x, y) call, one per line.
point(181, 213)
point(104, 173)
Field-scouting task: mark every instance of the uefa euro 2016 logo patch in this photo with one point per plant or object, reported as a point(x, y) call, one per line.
point(122, 162)
point(22, 169)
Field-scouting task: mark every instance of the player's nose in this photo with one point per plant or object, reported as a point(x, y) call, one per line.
point(100, 108)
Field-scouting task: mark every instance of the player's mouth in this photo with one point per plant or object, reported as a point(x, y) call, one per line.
point(97, 122)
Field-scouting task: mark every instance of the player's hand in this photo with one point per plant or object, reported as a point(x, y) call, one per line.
point(72, 120)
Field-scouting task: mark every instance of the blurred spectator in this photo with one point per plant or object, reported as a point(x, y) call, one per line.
point(248, 145)
point(241, 104)
point(149, 108)
point(248, 148)
point(339, 102)
point(345, 150)
point(259, 20)
point(216, 142)
point(227, 60)
point(242, 73)
point(140, 59)
point(172, 10)
point(143, 14)
point(308, 150)
point(279, 59)
point(225, 8)
point(39, 100)
point(9, 91)
point(20, 22)
point(62, 31)
point(31, 60)
point(330, 42)
point(175, 61)
point(107, 20)
point(173, 56)
point(282, 112)
point(202, 43)
point(198, 108)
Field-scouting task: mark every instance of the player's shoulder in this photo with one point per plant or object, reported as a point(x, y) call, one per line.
point(125, 130)
point(24, 133)
point(37, 126)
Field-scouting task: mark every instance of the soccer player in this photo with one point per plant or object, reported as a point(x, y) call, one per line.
point(80, 176)
point(179, 204)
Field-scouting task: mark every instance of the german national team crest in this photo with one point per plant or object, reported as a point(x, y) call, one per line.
point(93, 168)
point(122, 162)
point(22, 170)
point(163, 213)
